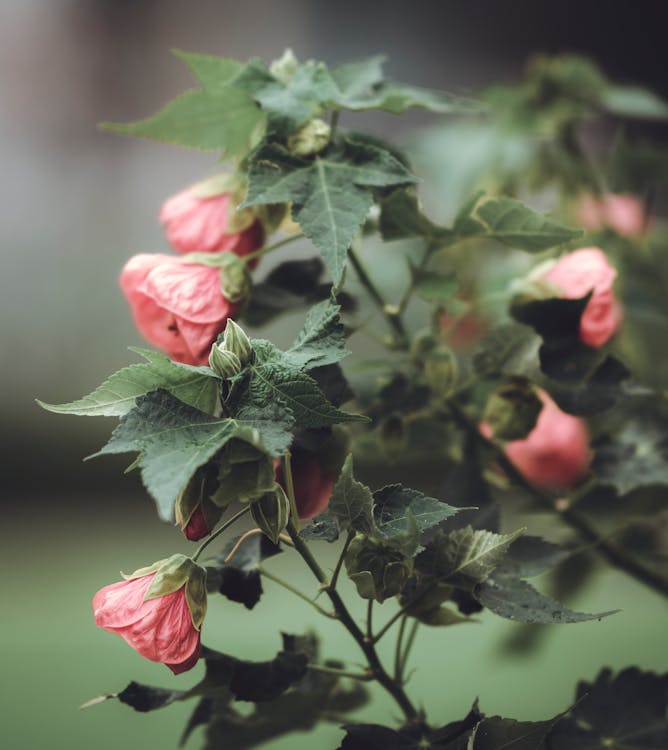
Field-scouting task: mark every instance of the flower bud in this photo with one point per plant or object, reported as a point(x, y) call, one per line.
point(284, 68)
point(225, 364)
point(440, 370)
point(235, 280)
point(271, 513)
point(378, 569)
point(237, 342)
point(309, 139)
point(194, 511)
point(245, 474)
point(512, 410)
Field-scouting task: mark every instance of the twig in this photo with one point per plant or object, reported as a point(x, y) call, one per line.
point(292, 589)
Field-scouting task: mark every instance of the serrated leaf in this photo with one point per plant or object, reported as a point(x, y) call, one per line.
point(496, 733)
point(212, 72)
point(518, 600)
point(222, 121)
point(356, 79)
point(322, 528)
point(626, 711)
point(511, 222)
point(352, 502)
point(464, 557)
point(175, 440)
point(321, 340)
point(635, 456)
point(117, 395)
point(330, 195)
point(394, 504)
point(529, 556)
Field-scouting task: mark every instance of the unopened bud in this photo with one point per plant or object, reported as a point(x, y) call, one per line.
point(225, 364)
point(284, 68)
point(309, 139)
point(512, 410)
point(237, 342)
point(271, 513)
point(235, 280)
point(440, 370)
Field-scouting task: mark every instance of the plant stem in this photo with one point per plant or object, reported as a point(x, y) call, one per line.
point(375, 667)
point(290, 487)
point(270, 248)
point(369, 620)
point(362, 676)
point(391, 314)
point(615, 555)
point(407, 650)
point(339, 562)
point(399, 613)
point(292, 589)
point(219, 531)
point(397, 649)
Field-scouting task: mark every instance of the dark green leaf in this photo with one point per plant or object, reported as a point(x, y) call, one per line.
point(323, 528)
point(239, 580)
point(515, 599)
point(330, 194)
point(117, 395)
point(496, 733)
point(221, 121)
point(175, 440)
point(635, 456)
point(626, 711)
point(529, 556)
point(321, 341)
point(351, 503)
point(395, 503)
point(147, 698)
point(508, 350)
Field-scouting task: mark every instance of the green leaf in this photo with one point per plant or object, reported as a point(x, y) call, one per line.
point(380, 568)
point(321, 340)
point(394, 504)
point(634, 101)
point(117, 395)
point(322, 528)
point(508, 350)
point(352, 502)
point(212, 72)
point(175, 440)
point(273, 378)
point(356, 79)
point(529, 556)
point(634, 456)
point(401, 217)
point(496, 733)
point(514, 224)
point(222, 121)
point(515, 599)
point(398, 97)
point(331, 195)
point(464, 557)
point(626, 711)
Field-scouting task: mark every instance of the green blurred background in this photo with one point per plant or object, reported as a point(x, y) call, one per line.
point(76, 203)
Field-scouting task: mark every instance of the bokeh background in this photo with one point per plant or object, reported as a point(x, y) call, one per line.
point(76, 202)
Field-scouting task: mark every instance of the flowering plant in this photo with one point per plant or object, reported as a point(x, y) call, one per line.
point(504, 371)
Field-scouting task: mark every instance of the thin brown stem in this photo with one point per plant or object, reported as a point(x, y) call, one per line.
point(375, 667)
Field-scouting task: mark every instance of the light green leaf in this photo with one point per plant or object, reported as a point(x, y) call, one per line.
point(226, 120)
point(514, 224)
point(357, 79)
point(464, 557)
point(435, 287)
point(633, 101)
point(352, 502)
point(401, 217)
point(321, 340)
point(330, 195)
point(395, 505)
point(175, 440)
point(117, 395)
point(212, 72)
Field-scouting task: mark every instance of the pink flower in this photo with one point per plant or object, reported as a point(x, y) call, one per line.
point(555, 455)
point(177, 306)
point(624, 213)
point(313, 487)
point(196, 224)
point(162, 627)
point(583, 271)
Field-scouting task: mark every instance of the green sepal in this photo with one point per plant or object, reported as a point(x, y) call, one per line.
point(512, 410)
point(237, 342)
point(224, 363)
point(173, 573)
point(378, 568)
point(197, 493)
point(245, 473)
point(271, 513)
